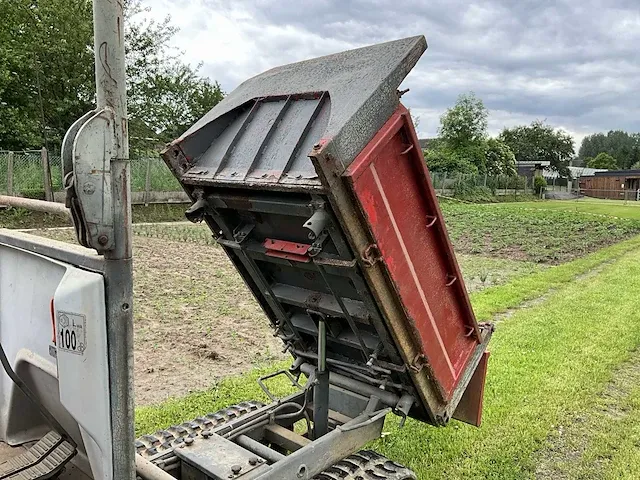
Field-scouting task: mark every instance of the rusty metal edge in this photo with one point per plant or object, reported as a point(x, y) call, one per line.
point(347, 213)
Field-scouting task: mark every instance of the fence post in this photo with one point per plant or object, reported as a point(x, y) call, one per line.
point(10, 174)
point(147, 183)
point(46, 175)
point(444, 181)
point(485, 180)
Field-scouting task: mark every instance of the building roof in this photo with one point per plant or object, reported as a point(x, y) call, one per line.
point(533, 163)
point(576, 172)
point(618, 173)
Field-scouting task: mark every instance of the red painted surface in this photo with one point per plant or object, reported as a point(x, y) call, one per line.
point(469, 410)
point(390, 181)
point(285, 249)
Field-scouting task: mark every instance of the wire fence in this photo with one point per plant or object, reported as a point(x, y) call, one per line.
point(24, 174)
point(461, 184)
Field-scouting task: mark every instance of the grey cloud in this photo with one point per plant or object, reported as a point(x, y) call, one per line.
point(574, 62)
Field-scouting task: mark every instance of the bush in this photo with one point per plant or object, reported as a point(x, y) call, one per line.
point(442, 160)
point(539, 184)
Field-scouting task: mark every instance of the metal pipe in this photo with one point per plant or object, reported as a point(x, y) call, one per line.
point(322, 346)
point(148, 471)
point(36, 205)
point(321, 387)
point(108, 24)
point(352, 385)
point(259, 449)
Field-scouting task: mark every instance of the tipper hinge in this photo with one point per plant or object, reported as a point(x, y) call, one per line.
point(371, 255)
point(418, 363)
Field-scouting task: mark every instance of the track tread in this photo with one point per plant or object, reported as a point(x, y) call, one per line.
point(366, 465)
point(162, 443)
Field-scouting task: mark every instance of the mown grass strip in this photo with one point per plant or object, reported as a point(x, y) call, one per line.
point(495, 300)
point(601, 439)
point(546, 361)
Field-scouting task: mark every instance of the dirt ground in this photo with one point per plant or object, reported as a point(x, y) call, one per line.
point(195, 320)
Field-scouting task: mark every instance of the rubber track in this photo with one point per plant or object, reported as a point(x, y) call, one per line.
point(366, 465)
point(43, 460)
point(162, 443)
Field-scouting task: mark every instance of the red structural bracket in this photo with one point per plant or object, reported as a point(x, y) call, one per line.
point(298, 252)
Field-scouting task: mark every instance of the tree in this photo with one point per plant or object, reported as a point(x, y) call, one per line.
point(603, 160)
point(441, 159)
point(622, 146)
point(500, 160)
point(462, 135)
point(539, 142)
point(165, 96)
point(465, 124)
point(48, 79)
point(47, 75)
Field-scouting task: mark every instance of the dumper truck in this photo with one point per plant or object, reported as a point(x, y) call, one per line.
point(311, 179)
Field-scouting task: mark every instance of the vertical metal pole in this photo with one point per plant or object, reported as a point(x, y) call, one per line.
point(147, 183)
point(321, 389)
point(46, 175)
point(10, 174)
point(108, 20)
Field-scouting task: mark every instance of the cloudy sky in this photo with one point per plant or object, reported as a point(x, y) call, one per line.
point(575, 63)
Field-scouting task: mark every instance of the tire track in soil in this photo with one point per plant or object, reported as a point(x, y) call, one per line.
point(500, 317)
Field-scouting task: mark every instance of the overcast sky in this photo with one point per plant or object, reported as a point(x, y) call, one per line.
point(575, 63)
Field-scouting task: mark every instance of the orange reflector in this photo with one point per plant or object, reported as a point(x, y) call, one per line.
point(53, 323)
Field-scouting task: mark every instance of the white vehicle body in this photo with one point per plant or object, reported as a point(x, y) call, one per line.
point(53, 331)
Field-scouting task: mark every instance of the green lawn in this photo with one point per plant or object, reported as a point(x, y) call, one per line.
point(547, 361)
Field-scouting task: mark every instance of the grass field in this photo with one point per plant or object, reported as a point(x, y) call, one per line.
point(562, 397)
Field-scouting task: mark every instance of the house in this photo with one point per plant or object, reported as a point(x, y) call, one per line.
point(531, 168)
point(612, 184)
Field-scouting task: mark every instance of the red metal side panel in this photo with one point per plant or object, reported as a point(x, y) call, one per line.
point(391, 182)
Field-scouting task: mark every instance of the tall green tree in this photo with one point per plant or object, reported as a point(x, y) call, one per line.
point(462, 134)
point(463, 144)
point(540, 142)
point(47, 75)
point(464, 125)
point(48, 69)
point(603, 160)
point(500, 160)
point(622, 146)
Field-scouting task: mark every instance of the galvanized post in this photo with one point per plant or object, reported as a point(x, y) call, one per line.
point(46, 175)
point(444, 182)
point(10, 174)
point(147, 183)
point(108, 21)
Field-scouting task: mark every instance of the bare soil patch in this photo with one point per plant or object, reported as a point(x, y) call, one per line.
point(195, 319)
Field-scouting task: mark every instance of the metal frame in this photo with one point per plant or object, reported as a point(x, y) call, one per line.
point(257, 443)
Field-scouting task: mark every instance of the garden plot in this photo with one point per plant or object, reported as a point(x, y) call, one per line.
point(543, 236)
